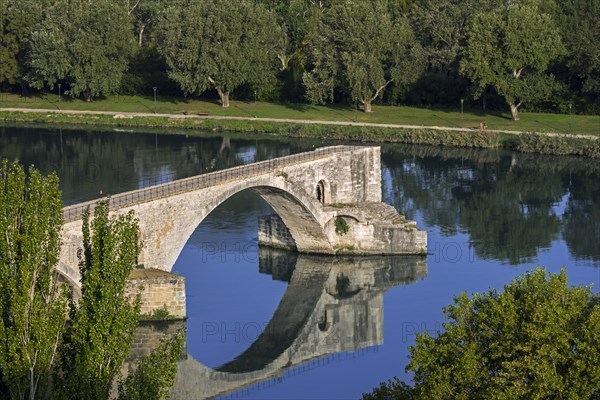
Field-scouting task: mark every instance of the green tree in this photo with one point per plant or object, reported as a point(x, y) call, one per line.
point(17, 20)
point(155, 373)
point(33, 308)
point(104, 321)
point(510, 49)
point(582, 37)
point(144, 14)
point(295, 18)
point(86, 44)
point(537, 339)
point(220, 44)
point(292, 18)
point(362, 50)
point(441, 27)
point(394, 389)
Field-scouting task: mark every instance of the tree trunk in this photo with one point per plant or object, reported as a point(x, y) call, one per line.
point(87, 95)
point(141, 35)
point(367, 106)
point(224, 97)
point(514, 110)
point(284, 61)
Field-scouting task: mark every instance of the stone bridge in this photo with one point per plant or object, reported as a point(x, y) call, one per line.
point(316, 318)
point(315, 194)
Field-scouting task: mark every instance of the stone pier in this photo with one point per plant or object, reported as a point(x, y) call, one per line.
point(368, 229)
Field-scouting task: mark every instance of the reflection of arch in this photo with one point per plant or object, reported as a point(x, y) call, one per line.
point(303, 301)
point(326, 326)
point(290, 317)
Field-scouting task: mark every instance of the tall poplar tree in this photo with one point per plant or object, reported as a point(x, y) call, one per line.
point(33, 309)
point(104, 321)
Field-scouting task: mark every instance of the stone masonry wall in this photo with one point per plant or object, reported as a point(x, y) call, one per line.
point(149, 334)
point(159, 290)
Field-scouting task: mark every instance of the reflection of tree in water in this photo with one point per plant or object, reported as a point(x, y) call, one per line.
point(507, 203)
point(510, 215)
point(422, 184)
point(582, 216)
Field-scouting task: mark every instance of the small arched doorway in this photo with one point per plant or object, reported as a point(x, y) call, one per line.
point(321, 192)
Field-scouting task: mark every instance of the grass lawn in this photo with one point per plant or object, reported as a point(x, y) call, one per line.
point(532, 122)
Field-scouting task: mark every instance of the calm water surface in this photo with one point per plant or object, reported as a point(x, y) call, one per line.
point(267, 325)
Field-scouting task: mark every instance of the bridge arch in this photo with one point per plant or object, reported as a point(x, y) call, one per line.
point(166, 224)
point(63, 277)
point(170, 224)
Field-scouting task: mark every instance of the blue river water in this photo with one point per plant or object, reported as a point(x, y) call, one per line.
point(490, 216)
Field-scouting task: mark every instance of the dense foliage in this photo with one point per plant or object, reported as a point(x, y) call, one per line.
point(542, 54)
point(41, 354)
point(510, 50)
point(538, 338)
point(155, 373)
point(361, 51)
point(104, 321)
point(33, 309)
point(86, 45)
point(220, 44)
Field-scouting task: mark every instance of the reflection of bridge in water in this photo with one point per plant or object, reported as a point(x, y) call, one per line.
point(331, 306)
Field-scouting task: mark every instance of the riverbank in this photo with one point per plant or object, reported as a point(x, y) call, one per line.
point(470, 117)
point(538, 142)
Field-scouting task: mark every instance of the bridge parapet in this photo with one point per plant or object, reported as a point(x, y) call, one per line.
point(242, 172)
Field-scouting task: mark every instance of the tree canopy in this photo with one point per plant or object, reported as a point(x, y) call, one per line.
point(41, 355)
point(221, 45)
point(538, 55)
point(104, 321)
point(582, 36)
point(33, 308)
point(538, 338)
point(510, 49)
point(18, 19)
point(362, 50)
point(85, 44)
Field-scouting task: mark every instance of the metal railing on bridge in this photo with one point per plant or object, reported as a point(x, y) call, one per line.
point(126, 199)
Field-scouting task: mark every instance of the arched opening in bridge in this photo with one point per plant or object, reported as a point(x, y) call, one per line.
point(233, 287)
point(321, 191)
